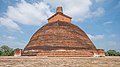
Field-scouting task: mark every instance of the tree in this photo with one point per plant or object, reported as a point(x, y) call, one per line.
point(118, 53)
point(0, 53)
point(6, 51)
point(112, 53)
point(106, 54)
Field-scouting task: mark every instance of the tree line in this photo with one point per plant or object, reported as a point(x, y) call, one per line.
point(112, 53)
point(7, 51)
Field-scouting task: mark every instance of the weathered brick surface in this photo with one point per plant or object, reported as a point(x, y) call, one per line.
point(65, 53)
point(60, 35)
point(60, 18)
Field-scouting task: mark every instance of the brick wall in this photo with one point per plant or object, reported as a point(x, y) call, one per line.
point(59, 17)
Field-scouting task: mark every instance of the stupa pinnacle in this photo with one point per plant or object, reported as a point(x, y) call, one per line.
point(59, 16)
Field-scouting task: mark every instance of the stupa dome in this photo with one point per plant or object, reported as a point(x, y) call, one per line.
point(59, 35)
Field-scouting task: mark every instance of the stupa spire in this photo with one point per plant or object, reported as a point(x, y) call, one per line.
point(59, 9)
point(59, 16)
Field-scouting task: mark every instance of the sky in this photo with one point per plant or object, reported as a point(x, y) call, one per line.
point(100, 19)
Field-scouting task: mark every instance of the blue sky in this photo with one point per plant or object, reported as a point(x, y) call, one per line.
point(100, 19)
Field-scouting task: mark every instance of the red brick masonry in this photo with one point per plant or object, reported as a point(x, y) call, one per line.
point(65, 53)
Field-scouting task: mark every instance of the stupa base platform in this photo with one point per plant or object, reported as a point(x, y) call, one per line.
point(64, 53)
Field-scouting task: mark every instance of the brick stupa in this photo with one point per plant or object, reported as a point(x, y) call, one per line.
point(59, 37)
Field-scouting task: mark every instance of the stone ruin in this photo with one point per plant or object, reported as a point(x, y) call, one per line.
point(59, 37)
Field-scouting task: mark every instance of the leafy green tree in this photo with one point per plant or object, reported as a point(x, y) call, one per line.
point(117, 53)
point(112, 53)
point(6, 51)
point(106, 54)
point(0, 53)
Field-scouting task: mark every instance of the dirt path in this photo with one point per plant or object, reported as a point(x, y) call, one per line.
point(59, 61)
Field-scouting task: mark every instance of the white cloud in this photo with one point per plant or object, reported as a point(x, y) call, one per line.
point(25, 13)
point(109, 22)
point(78, 9)
point(11, 41)
point(29, 14)
point(9, 24)
point(112, 43)
point(13, 44)
point(113, 35)
point(109, 44)
point(96, 37)
point(37, 13)
point(100, 11)
point(5, 37)
point(99, 1)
